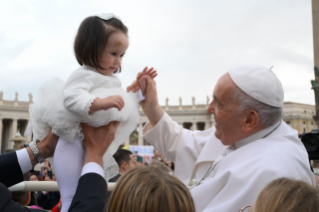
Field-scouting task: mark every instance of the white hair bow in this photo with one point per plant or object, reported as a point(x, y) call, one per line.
point(107, 16)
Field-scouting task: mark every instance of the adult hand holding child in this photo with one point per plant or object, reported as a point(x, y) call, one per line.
point(92, 185)
point(97, 140)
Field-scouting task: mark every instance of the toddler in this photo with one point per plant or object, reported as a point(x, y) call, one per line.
point(93, 95)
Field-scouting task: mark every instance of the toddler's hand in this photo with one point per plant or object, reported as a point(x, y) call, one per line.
point(133, 87)
point(113, 101)
point(136, 85)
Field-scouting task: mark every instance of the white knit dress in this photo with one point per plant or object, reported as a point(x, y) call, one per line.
point(63, 106)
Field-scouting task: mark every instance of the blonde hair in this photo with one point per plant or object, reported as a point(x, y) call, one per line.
point(160, 165)
point(287, 195)
point(150, 189)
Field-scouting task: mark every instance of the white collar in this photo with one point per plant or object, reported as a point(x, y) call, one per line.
point(257, 135)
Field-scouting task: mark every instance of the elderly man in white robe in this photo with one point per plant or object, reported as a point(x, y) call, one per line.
point(228, 165)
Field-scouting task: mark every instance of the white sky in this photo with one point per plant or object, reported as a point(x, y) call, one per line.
point(191, 43)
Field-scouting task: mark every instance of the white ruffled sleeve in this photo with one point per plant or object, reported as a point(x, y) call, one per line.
point(76, 95)
point(140, 96)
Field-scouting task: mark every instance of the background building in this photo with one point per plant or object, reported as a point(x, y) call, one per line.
point(300, 116)
point(14, 117)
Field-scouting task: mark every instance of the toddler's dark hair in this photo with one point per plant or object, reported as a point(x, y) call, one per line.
point(92, 37)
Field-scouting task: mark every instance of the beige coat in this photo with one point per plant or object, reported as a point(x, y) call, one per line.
point(242, 169)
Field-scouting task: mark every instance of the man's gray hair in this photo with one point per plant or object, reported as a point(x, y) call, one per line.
point(268, 115)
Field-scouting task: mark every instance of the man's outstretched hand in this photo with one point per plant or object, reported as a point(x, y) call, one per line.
point(150, 105)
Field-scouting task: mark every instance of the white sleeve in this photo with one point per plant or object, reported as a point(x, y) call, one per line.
point(24, 160)
point(140, 96)
point(167, 136)
point(92, 168)
point(176, 144)
point(164, 136)
point(76, 96)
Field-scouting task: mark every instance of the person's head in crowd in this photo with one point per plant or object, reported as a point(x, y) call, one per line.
point(34, 177)
point(22, 197)
point(135, 158)
point(171, 165)
point(162, 166)
point(44, 174)
point(47, 178)
point(246, 100)
point(150, 189)
point(159, 157)
point(139, 164)
point(287, 195)
point(124, 159)
point(136, 162)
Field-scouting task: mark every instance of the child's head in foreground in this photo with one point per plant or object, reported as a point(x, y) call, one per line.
point(101, 42)
point(150, 189)
point(286, 195)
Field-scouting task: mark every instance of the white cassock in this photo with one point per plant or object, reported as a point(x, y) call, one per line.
point(239, 172)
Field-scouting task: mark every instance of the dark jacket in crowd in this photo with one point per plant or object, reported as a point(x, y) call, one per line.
point(115, 179)
point(49, 200)
point(33, 198)
point(90, 194)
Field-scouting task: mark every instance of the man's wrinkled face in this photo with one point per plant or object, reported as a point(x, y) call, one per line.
point(228, 120)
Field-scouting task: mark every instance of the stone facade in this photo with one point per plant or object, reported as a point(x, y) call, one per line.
point(14, 116)
point(300, 116)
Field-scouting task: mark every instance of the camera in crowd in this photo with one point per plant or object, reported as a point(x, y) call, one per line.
point(311, 143)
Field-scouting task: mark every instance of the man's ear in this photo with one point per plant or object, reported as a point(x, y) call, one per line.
point(124, 166)
point(251, 121)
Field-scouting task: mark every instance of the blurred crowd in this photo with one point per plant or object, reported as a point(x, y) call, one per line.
point(51, 200)
point(137, 180)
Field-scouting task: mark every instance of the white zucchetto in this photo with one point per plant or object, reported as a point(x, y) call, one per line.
point(259, 83)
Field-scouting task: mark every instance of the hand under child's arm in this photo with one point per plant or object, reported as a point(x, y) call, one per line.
point(107, 103)
point(135, 85)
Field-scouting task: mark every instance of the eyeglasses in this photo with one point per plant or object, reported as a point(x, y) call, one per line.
point(244, 209)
